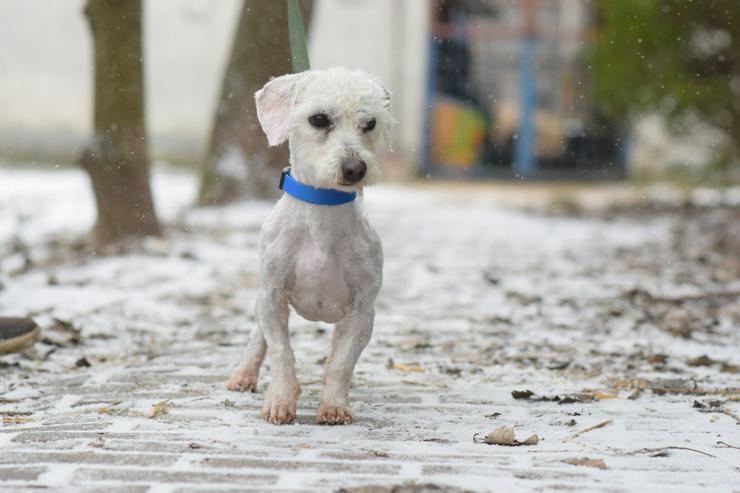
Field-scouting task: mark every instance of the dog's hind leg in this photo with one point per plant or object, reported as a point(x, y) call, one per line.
point(349, 339)
point(246, 374)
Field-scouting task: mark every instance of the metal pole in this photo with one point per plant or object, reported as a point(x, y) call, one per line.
point(525, 159)
point(426, 165)
point(297, 32)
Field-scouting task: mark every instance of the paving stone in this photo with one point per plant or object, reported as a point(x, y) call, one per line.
point(112, 489)
point(468, 344)
point(308, 466)
point(159, 476)
point(75, 457)
point(19, 473)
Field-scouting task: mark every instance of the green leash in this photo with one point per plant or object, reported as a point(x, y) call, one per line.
point(298, 45)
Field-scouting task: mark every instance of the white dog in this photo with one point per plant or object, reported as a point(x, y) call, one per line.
point(318, 252)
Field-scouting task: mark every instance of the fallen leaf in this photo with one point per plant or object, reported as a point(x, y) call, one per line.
point(82, 363)
point(16, 420)
point(600, 396)
point(657, 359)
point(663, 386)
point(579, 397)
point(97, 442)
point(104, 410)
point(505, 436)
point(679, 322)
point(702, 360)
point(629, 383)
point(531, 440)
point(585, 461)
point(521, 394)
point(159, 408)
point(392, 365)
point(707, 403)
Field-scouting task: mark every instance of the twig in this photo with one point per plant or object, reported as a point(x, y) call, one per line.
point(661, 449)
point(722, 410)
point(727, 445)
point(549, 451)
point(586, 430)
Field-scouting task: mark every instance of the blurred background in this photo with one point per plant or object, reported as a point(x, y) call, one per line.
point(538, 90)
point(560, 219)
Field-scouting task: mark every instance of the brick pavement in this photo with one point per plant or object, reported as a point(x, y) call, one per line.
point(483, 300)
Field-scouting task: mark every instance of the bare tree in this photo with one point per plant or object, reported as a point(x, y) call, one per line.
point(239, 163)
point(116, 158)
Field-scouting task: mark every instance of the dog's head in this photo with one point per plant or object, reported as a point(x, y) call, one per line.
point(335, 120)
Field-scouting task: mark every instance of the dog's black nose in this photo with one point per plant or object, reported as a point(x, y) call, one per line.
point(353, 170)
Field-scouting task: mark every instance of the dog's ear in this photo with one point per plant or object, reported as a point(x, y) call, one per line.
point(274, 102)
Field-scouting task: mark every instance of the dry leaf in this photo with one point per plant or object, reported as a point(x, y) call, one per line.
point(531, 440)
point(104, 410)
point(600, 396)
point(16, 420)
point(505, 436)
point(702, 360)
point(159, 408)
point(501, 436)
point(97, 442)
point(392, 365)
point(580, 397)
point(522, 394)
point(585, 461)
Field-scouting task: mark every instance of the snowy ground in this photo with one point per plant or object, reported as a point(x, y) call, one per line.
point(609, 312)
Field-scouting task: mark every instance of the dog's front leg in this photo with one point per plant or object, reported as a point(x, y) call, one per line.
point(349, 339)
point(282, 394)
point(246, 374)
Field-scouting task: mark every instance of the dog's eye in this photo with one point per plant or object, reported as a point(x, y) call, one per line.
point(319, 120)
point(369, 126)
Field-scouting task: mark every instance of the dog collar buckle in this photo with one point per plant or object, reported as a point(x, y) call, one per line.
point(307, 193)
point(283, 174)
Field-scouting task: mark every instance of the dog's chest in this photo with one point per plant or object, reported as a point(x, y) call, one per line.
point(319, 290)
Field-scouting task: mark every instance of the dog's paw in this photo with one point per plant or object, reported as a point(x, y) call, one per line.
point(242, 381)
point(278, 411)
point(334, 415)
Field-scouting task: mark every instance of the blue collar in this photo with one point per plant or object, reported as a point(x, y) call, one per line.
point(306, 193)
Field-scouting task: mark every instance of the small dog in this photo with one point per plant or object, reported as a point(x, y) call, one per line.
point(318, 252)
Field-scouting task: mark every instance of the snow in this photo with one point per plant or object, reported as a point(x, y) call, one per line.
point(485, 298)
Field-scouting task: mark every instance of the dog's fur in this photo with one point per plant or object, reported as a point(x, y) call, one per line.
point(324, 261)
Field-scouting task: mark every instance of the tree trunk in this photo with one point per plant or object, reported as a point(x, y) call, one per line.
point(239, 163)
point(116, 158)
